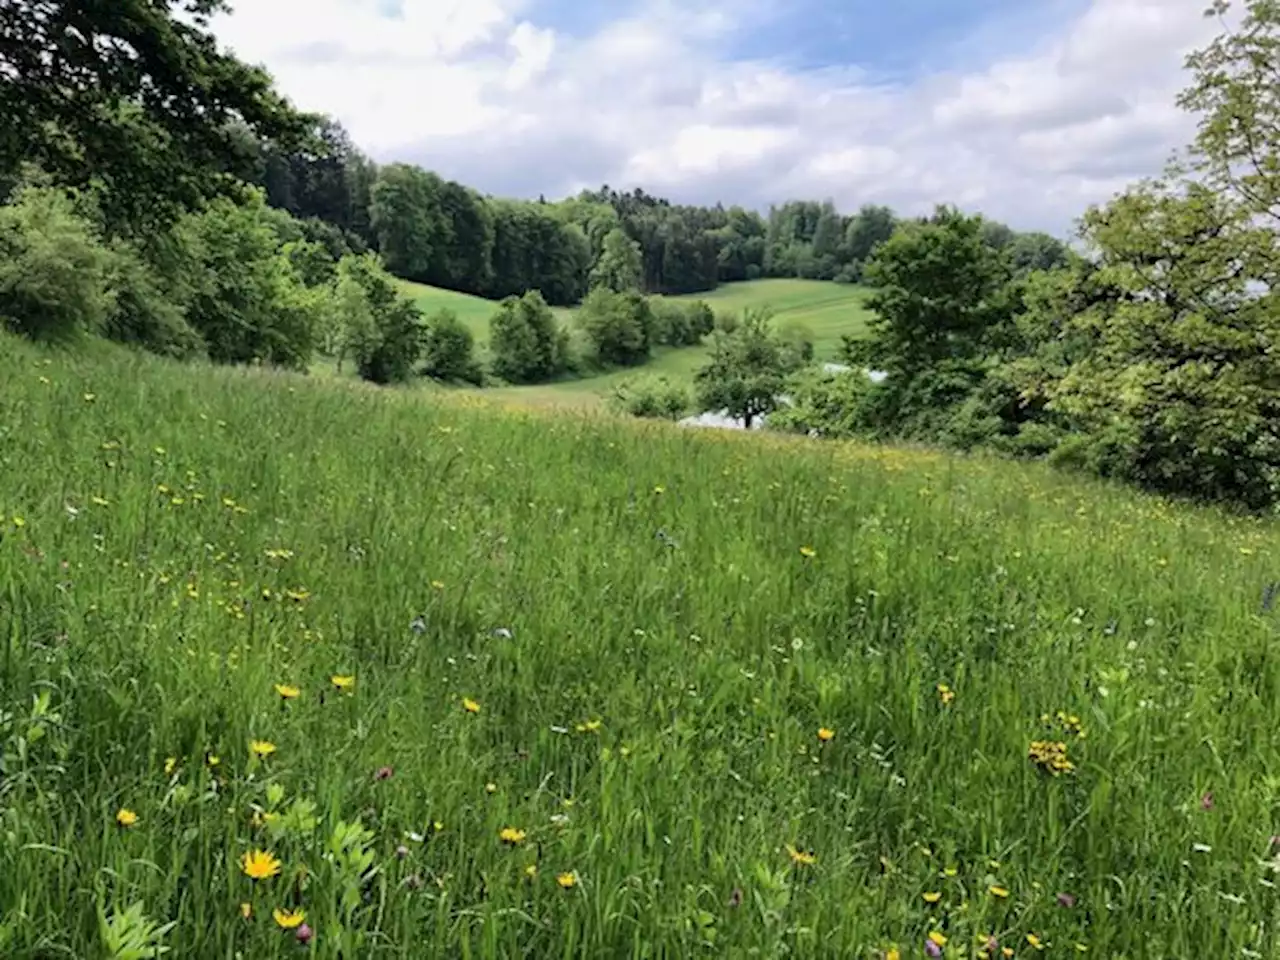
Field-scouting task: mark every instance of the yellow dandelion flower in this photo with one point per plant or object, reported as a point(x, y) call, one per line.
point(246, 910)
point(1000, 892)
point(212, 759)
point(469, 705)
point(825, 734)
point(946, 694)
point(932, 896)
point(343, 683)
point(531, 871)
point(892, 954)
point(511, 835)
point(939, 938)
point(801, 858)
point(1035, 941)
point(808, 552)
point(259, 865)
point(287, 691)
point(262, 748)
point(170, 764)
point(287, 920)
point(567, 881)
point(126, 817)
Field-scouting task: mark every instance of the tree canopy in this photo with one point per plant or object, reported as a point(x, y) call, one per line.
point(135, 96)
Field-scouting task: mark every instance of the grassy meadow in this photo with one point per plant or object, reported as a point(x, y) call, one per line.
point(828, 309)
point(467, 682)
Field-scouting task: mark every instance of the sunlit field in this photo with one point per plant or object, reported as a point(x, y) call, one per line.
point(452, 680)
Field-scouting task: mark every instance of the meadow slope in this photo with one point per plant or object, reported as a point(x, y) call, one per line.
point(726, 694)
point(829, 310)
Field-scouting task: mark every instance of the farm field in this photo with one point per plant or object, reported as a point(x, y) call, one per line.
point(442, 680)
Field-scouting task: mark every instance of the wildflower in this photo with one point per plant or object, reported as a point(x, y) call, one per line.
point(170, 764)
point(591, 726)
point(945, 694)
point(343, 683)
point(288, 920)
point(259, 865)
point(893, 954)
point(1000, 892)
point(1066, 900)
point(469, 705)
point(1035, 941)
point(531, 871)
point(567, 881)
point(1050, 756)
point(511, 835)
point(659, 489)
point(490, 788)
point(304, 934)
point(126, 817)
point(937, 938)
point(401, 852)
point(801, 858)
point(825, 734)
point(1206, 802)
point(246, 910)
point(933, 896)
point(262, 748)
point(212, 759)
point(932, 949)
point(287, 691)
point(384, 773)
point(808, 552)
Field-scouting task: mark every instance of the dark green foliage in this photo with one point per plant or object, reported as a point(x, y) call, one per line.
point(619, 327)
point(448, 350)
point(747, 370)
point(525, 342)
point(137, 99)
point(54, 268)
point(651, 397)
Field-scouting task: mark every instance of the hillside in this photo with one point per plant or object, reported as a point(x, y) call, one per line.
point(827, 309)
point(491, 684)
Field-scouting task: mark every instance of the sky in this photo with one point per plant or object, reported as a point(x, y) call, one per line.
point(1024, 110)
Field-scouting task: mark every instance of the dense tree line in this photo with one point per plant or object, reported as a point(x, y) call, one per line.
point(445, 234)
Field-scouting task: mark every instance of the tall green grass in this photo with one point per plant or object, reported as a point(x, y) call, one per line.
point(652, 654)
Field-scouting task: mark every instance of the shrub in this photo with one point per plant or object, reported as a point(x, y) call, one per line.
point(525, 342)
point(448, 350)
point(619, 327)
point(54, 268)
point(383, 332)
point(654, 397)
point(829, 403)
point(248, 302)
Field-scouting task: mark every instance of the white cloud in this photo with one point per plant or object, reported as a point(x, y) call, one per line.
point(473, 89)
